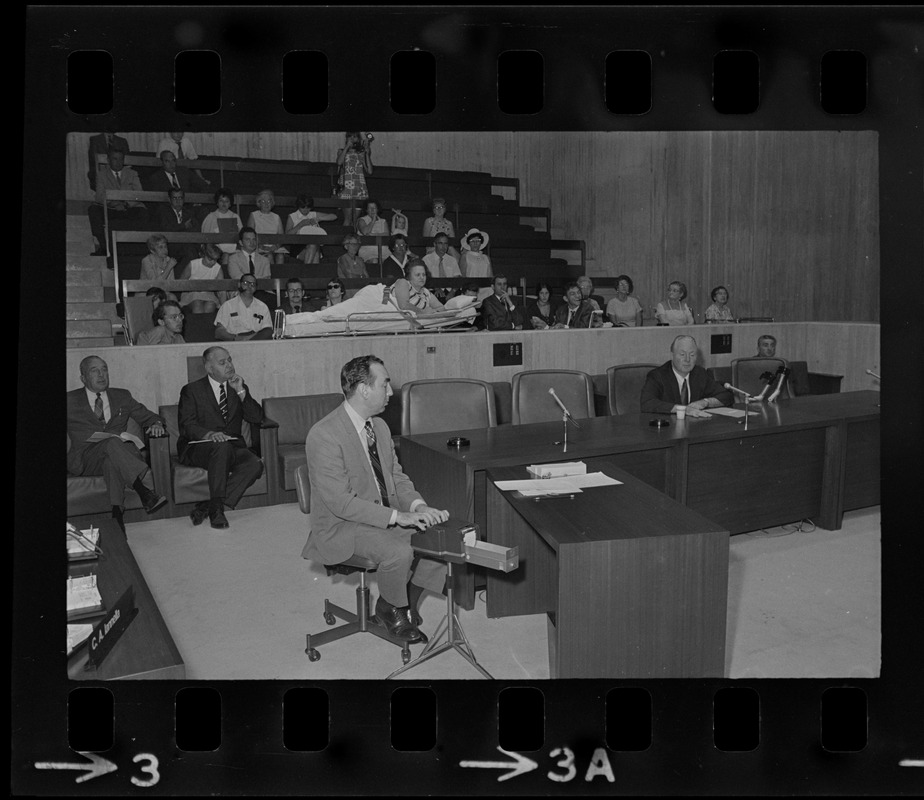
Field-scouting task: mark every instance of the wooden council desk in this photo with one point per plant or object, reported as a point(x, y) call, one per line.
point(634, 584)
point(808, 457)
point(146, 650)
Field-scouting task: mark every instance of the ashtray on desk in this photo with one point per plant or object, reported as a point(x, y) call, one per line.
point(458, 441)
point(659, 423)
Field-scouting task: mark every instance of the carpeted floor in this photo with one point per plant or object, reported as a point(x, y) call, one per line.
point(239, 603)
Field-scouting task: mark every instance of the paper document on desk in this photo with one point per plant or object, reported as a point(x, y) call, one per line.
point(731, 412)
point(542, 486)
point(593, 479)
point(557, 470)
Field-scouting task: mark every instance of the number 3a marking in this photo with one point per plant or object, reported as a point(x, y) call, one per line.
point(150, 768)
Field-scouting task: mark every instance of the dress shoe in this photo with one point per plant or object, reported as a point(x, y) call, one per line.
point(217, 515)
point(153, 501)
point(199, 513)
point(395, 620)
point(413, 600)
point(415, 619)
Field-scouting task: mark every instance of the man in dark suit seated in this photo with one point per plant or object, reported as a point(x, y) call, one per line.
point(295, 301)
point(498, 313)
point(175, 216)
point(576, 312)
point(213, 409)
point(103, 413)
point(680, 383)
point(170, 176)
point(362, 503)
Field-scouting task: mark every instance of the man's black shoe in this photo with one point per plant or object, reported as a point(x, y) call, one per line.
point(217, 515)
point(413, 616)
point(414, 593)
point(395, 620)
point(199, 513)
point(152, 501)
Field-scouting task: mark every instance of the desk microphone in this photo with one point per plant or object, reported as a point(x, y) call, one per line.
point(561, 405)
point(870, 372)
point(590, 322)
point(737, 390)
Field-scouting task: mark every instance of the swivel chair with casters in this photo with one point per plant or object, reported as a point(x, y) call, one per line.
point(360, 622)
point(624, 387)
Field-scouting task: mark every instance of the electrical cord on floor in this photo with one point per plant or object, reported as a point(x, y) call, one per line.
point(784, 530)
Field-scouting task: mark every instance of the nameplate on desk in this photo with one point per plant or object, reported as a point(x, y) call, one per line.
point(508, 354)
point(110, 629)
point(720, 343)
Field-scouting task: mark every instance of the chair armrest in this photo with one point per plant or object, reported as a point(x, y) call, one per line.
point(161, 470)
point(269, 452)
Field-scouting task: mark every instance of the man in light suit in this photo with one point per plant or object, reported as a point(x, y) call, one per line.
point(101, 144)
point(213, 408)
point(99, 409)
point(118, 177)
point(681, 383)
point(362, 503)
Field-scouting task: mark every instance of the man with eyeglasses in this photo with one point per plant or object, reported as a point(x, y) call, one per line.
point(168, 325)
point(244, 316)
point(295, 301)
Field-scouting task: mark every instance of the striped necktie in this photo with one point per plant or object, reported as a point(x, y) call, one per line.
point(223, 401)
point(376, 463)
point(98, 408)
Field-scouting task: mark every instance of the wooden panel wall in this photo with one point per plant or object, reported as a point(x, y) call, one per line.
point(788, 221)
point(312, 366)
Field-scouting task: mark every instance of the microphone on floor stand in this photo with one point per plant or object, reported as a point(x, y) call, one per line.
point(870, 372)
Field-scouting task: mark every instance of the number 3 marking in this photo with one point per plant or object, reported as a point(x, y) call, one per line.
point(151, 769)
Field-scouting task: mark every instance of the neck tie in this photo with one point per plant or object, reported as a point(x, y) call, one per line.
point(296, 309)
point(376, 464)
point(223, 402)
point(440, 267)
point(98, 408)
point(118, 176)
point(173, 180)
point(251, 264)
point(179, 150)
point(685, 394)
point(179, 216)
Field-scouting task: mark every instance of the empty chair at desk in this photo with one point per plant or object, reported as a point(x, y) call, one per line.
point(360, 622)
point(624, 387)
point(746, 374)
point(532, 402)
point(446, 405)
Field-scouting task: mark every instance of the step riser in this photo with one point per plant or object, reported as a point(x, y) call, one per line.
point(83, 278)
point(84, 294)
point(83, 311)
point(87, 329)
point(90, 343)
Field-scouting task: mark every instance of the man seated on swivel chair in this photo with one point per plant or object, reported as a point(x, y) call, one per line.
point(362, 503)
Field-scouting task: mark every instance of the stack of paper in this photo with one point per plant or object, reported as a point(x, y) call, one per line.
point(83, 598)
point(77, 635)
point(558, 470)
point(573, 484)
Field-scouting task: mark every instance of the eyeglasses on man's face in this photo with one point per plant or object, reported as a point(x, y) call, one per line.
point(174, 316)
point(249, 283)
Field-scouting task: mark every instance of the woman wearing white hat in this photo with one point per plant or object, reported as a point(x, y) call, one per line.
point(474, 263)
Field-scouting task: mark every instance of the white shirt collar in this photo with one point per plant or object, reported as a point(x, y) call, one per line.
point(358, 422)
point(216, 387)
point(680, 378)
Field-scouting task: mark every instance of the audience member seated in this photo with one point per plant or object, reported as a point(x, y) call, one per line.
point(437, 224)
point(539, 313)
point(586, 285)
point(395, 265)
point(304, 221)
point(369, 512)
point(372, 225)
point(474, 263)
point(170, 176)
point(207, 267)
point(411, 294)
point(181, 146)
point(248, 259)
point(576, 312)
point(439, 262)
point(100, 145)
point(681, 383)
point(295, 301)
point(265, 220)
point(624, 311)
point(214, 408)
point(350, 265)
point(498, 313)
point(244, 317)
point(335, 294)
point(398, 222)
point(116, 177)
point(354, 161)
point(223, 220)
point(719, 311)
point(673, 310)
point(157, 265)
point(175, 216)
point(766, 346)
point(100, 412)
point(168, 325)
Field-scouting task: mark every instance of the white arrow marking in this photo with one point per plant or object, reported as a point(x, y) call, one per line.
point(99, 766)
point(521, 766)
point(911, 762)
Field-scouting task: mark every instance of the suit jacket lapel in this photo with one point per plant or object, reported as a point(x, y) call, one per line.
point(355, 447)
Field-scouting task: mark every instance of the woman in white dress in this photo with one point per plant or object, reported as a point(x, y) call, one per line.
point(304, 221)
point(672, 310)
point(474, 263)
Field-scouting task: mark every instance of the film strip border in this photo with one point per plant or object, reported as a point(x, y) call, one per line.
point(360, 755)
